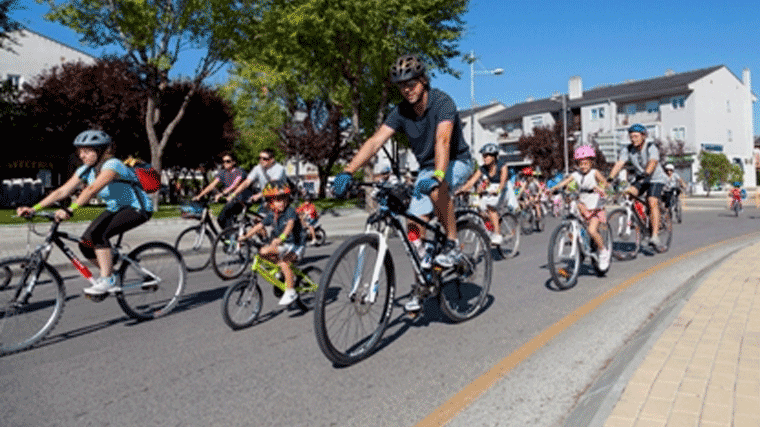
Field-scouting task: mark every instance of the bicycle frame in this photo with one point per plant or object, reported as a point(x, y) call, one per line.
point(268, 270)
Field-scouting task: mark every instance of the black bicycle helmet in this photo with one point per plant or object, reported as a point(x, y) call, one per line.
point(407, 67)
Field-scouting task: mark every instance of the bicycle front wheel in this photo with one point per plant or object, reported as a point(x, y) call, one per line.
point(31, 303)
point(463, 294)
point(510, 234)
point(564, 256)
point(526, 222)
point(242, 303)
point(152, 279)
point(348, 325)
point(195, 247)
point(229, 257)
point(321, 236)
point(626, 235)
point(665, 233)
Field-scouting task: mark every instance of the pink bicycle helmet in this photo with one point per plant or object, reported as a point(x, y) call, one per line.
point(584, 152)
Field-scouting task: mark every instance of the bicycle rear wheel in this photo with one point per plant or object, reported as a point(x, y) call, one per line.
point(347, 325)
point(242, 303)
point(665, 233)
point(510, 233)
point(526, 222)
point(564, 256)
point(229, 257)
point(604, 230)
point(626, 235)
point(320, 235)
point(463, 294)
point(27, 317)
point(306, 294)
point(195, 247)
point(152, 279)
point(677, 209)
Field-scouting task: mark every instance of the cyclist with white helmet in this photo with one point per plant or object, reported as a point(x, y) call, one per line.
point(673, 185)
point(491, 179)
point(591, 185)
point(650, 177)
point(106, 177)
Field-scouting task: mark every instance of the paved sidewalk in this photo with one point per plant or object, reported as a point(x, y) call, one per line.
point(704, 370)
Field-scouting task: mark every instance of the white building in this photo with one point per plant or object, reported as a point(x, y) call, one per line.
point(479, 136)
point(34, 54)
point(708, 109)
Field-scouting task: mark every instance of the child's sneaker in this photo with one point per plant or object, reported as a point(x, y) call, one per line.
point(497, 239)
point(288, 297)
point(103, 285)
point(413, 304)
point(604, 259)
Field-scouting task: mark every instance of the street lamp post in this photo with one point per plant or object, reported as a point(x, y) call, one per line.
point(564, 132)
point(496, 72)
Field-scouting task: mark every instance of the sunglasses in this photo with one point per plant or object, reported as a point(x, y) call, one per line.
point(264, 158)
point(227, 161)
point(409, 84)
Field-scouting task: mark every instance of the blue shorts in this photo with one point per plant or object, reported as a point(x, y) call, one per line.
point(456, 175)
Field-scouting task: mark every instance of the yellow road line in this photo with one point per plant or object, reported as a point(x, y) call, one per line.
point(456, 404)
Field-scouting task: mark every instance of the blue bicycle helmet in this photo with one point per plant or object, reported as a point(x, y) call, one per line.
point(638, 127)
point(92, 138)
point(490, 148)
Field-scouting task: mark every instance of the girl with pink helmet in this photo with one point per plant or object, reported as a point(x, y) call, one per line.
point(591, 184)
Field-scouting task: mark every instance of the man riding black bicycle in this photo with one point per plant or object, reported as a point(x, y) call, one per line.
point(650, 178)
point(430, 120)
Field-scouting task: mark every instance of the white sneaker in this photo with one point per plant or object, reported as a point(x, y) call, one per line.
point(103, 285)
point(497, 239)
point(288, 297)
point(604, 259)
point(655, 241)
point(413, 304)
point(449, 255)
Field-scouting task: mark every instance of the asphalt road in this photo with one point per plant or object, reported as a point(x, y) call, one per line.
point(99, 367)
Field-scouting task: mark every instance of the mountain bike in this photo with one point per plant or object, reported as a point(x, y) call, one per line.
point(631, 223)
point(228, 257)
point(508, 223)
point(570, 244)
point(243, 300)
point(150, 282)
point(195, 242)
point(357, 290)
point(529, 220)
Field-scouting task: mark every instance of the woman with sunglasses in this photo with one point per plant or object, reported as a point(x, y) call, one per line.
point(230, 176)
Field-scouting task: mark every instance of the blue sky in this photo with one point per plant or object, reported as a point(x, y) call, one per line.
point(540, 45)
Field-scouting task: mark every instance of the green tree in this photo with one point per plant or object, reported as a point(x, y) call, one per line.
point(153, 34)
point(715, 168)
point(346, 47)
point(8, 25)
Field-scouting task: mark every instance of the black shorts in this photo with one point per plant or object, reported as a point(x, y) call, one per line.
point(109, 224)
point(653, 189)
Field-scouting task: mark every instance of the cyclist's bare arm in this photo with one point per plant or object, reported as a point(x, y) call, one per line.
point(470, 182)
point(58, 194)
point(616, 168)
point(601, 182)
point(443, 134)
point(207, 190)
point(562, 183)
point(651, 165)
point(370, 147)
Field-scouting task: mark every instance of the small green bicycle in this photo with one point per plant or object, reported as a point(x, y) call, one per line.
point(242, 301)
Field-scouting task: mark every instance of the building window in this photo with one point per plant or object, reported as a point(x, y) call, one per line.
point(679, 134)
point(630, 109)
point(678, 102)
point(597, 113)
point(537, 121)
point(653, 106)
point(728, 106)
point(730, 135)
point(14, 80)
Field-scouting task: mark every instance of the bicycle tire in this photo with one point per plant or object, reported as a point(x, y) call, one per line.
point(229, 258)
point(510, 234)
point(143, 297)
point(526, 222)
point(335, 306)
point(25, 323)
point(665, 233)
point(462, 296)
point(604, 230)
point(540, 222)
point(626, 239)
point(307, 298)
point(677, 209)
point(320, 235)
point(564, 256)
point(242, 303)
point(195, 248)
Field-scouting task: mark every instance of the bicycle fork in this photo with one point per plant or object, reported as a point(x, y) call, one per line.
point(374, 284)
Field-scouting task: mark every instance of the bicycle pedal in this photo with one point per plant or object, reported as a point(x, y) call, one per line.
point(96, 298)
point(562, 272)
